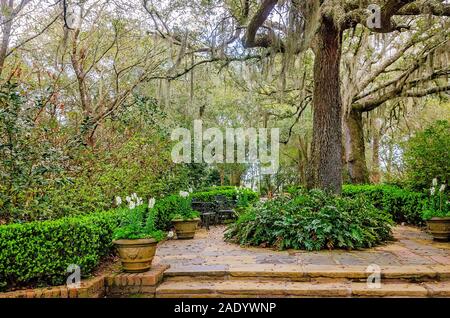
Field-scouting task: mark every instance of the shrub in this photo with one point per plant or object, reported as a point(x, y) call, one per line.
point(185, 211)
point(438, 204)
point(209, 196)
point(404, 206)
point(217, 188)
point(312, 221)
point(138, 224)
point(38, 253)
point(165, 209)
point(426, 156)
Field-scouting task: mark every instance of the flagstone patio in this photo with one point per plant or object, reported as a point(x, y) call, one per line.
point(208, 252)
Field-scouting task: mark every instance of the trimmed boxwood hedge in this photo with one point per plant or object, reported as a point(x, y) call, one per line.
point(209, 196)
point(404, 206)
point(38, 253)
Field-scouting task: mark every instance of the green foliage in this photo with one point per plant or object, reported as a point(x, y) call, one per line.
point(217, 188)
point(404, 206)
point(48, 172)
point(185, 211)
point(209, 196)
point(429, 214)
point(166, 208)
point(312, 221)
point(38, 253)
point(438, 204)
point(139, 223)
point(29, 164)
point(200, 175)
point(427, 156)
point(187, 215)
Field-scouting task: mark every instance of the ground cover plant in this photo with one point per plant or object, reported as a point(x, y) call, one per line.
point(312, 220)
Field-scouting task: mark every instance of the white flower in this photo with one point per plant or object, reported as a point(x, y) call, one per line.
point(184, 194)
point(190, 190)
point(118, 200)
point(128, 199)
point(434, 182)
point(170, 234)
point(442, 188)
point(134, 196)
point(131, 205)
point(432, 190)
point(151, 203)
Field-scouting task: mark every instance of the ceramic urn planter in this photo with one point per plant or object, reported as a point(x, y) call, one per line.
point(136, 255)
point(185, 229)
point(440, 228)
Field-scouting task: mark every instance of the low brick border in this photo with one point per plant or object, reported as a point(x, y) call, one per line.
point(129, 285)
point(107, 285)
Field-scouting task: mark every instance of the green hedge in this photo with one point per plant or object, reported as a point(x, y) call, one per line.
point(403, 205)
point(209, 196)
point(216, 188)
point(38, 253)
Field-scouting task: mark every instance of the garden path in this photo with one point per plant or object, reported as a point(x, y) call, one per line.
point(208, 252)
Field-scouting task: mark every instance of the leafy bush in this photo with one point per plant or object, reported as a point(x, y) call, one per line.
point(210, 196)
point(217, 188)
point(38, 253)
point(312, 221)
point(165, 209)
point(30, 165)
point(429, 214)
point(438, 204)
point(185, 211)
point(139, 223)
point(427, 156)
point(47, 172)
point(404, 206)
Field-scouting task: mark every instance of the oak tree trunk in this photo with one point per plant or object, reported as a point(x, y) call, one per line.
point(325, 168)
point(376, 178)
point(355, 150)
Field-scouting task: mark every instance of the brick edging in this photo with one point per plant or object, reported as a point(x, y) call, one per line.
point(106, 285)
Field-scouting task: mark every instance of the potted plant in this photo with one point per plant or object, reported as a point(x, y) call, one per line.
point(186, 219)
point(437, 213)
point(136, 238)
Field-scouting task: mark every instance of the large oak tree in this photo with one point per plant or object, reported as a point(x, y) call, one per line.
point(322, 24)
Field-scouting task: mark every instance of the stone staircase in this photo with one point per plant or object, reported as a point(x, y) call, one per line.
point(272, 280)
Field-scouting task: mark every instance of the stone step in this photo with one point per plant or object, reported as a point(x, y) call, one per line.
point(264, 289)
point(283, 272)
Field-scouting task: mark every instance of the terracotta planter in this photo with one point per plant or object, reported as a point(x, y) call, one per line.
point(440, 228)
point(186, 229)
point(136, 255)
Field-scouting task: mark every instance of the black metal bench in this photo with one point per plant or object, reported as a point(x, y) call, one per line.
point(225, 208)
point(207, 212)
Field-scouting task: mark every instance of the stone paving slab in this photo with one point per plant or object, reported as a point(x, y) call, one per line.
point(253, 288)
point(257, 288)
point(412, 249)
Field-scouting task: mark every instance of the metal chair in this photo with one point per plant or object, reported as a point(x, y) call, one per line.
point(207, 212)
point(224, 208)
